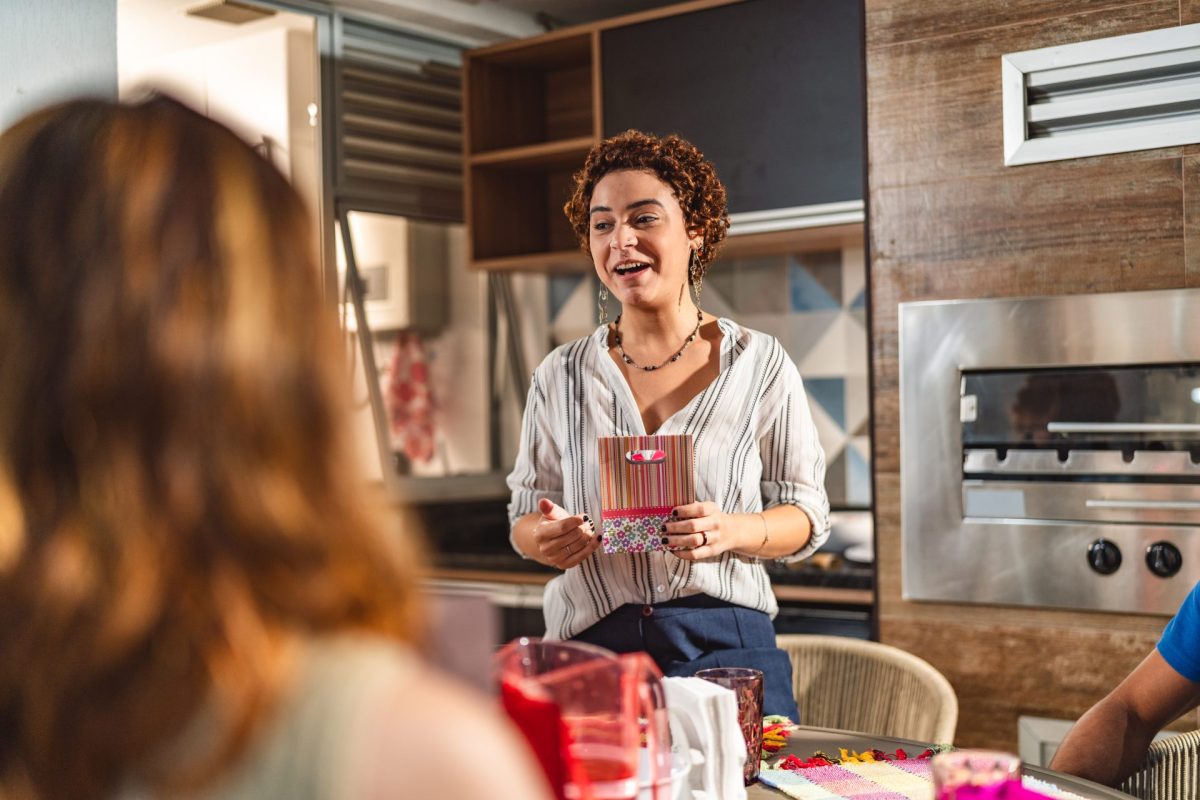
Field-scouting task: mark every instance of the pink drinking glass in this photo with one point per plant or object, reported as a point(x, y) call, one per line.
point(970, 769)
point(747, 685)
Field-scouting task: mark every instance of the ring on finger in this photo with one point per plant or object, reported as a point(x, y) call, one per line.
point(703, 538)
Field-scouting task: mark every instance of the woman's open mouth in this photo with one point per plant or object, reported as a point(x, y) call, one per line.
point(630, 268)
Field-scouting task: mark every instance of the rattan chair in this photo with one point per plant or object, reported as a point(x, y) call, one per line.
point(869, 687)
point(1171, 770)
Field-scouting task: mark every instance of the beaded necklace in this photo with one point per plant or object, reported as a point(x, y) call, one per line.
point(675, 357)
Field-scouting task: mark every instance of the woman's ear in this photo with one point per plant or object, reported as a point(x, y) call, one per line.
point(696, 238)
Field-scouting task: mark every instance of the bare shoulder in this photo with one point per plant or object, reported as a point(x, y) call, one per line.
point(432, 737)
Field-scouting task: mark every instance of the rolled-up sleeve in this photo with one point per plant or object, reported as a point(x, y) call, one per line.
point(792, 457)
point(537, 471)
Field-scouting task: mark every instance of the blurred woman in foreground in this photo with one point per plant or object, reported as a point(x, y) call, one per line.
point(197, 596)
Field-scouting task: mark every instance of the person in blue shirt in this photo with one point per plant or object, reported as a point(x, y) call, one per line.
point(1110, 741)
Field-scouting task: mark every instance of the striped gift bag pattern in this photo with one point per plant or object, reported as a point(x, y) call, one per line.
point(641, 479)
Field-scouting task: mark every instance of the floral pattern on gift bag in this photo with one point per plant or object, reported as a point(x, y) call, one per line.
point(642, 478)
point(638, 531)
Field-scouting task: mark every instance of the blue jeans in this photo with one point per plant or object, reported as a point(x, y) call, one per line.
point(698, 632)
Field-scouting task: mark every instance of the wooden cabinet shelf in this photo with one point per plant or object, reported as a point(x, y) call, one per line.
point(531, 117)
point(561, 261)
point(516, 209)
point(566, 152)
point(533, 94)
point(828, 237)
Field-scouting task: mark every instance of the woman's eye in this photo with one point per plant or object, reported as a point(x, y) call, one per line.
point(645, 218)
point(601, 226)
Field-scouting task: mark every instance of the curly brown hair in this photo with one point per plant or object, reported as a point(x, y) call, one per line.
point(677, 163)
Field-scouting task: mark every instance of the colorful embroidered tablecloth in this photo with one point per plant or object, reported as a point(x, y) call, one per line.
point(880, 780)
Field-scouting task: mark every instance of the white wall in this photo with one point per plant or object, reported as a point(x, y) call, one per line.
point(244, 83)
point(54, 49)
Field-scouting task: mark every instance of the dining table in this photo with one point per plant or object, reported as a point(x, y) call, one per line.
point(804, 741)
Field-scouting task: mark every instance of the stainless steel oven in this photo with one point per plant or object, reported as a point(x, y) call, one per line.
point(1050, 450)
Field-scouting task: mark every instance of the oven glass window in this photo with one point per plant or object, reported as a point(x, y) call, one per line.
point(1143, 407)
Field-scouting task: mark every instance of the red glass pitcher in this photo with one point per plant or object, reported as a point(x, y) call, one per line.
point(594, 719)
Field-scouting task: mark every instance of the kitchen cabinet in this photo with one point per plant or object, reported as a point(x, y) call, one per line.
point(531, 117)
point(770, 90)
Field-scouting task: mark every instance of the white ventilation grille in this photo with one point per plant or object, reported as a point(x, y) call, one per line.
point(1113, 95)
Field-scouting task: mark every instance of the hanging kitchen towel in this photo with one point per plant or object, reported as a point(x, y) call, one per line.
point(642, 478)
point(410, 399)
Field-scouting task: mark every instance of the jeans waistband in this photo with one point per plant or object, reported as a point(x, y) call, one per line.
point(691, 602)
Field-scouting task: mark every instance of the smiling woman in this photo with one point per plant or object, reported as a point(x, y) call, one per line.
point(651, 214)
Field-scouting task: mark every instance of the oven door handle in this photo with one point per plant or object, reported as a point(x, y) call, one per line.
point(1123, 427)
point(1163, 505)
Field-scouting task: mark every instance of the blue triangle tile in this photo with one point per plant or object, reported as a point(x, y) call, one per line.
point(561, 289)
point(861, 300)
point(858, 479)
point(830, 393)
point(807, 293)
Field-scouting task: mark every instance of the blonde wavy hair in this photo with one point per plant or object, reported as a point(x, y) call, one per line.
point(179, 501)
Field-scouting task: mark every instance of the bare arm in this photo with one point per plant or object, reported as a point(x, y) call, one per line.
point(1110, 740)
point(703, 531)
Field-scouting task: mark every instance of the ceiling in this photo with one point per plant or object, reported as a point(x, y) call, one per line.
point(146, 28)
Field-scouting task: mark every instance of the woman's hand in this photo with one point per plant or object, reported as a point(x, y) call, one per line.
point(702, 530)
point(563, 540)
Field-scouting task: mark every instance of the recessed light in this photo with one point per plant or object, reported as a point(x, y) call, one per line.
point(230, 11)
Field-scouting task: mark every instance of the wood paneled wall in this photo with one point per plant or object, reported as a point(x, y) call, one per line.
point(948, 221)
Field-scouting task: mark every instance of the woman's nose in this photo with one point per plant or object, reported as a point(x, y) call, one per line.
point(625, 237)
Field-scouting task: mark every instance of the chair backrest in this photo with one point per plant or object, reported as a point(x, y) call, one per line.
point(1171, 770)
point(869, 687)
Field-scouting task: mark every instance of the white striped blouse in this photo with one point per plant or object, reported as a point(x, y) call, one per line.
point(755, 447)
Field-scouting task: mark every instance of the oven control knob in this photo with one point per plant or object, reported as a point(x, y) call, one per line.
point(1163, 559)
point(1104, 556)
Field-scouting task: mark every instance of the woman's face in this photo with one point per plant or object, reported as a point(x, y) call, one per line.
point(638, 239)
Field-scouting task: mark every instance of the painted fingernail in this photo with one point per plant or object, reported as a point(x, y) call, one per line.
point(599, 537)
point(674, 514)
point(663, 528)
point(587, 519)
point(664, 540)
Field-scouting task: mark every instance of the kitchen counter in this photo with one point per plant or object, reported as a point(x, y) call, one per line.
point(470, 550)
point(825, 578)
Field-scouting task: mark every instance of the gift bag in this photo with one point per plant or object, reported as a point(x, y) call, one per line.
point(642, 478)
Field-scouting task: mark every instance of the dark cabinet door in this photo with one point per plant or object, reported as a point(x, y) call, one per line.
point(770, 90)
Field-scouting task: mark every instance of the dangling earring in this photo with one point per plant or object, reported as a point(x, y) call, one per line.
point(602, 304)
point(695, 276)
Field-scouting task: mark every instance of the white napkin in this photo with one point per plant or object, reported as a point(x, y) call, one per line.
point(708, 717)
